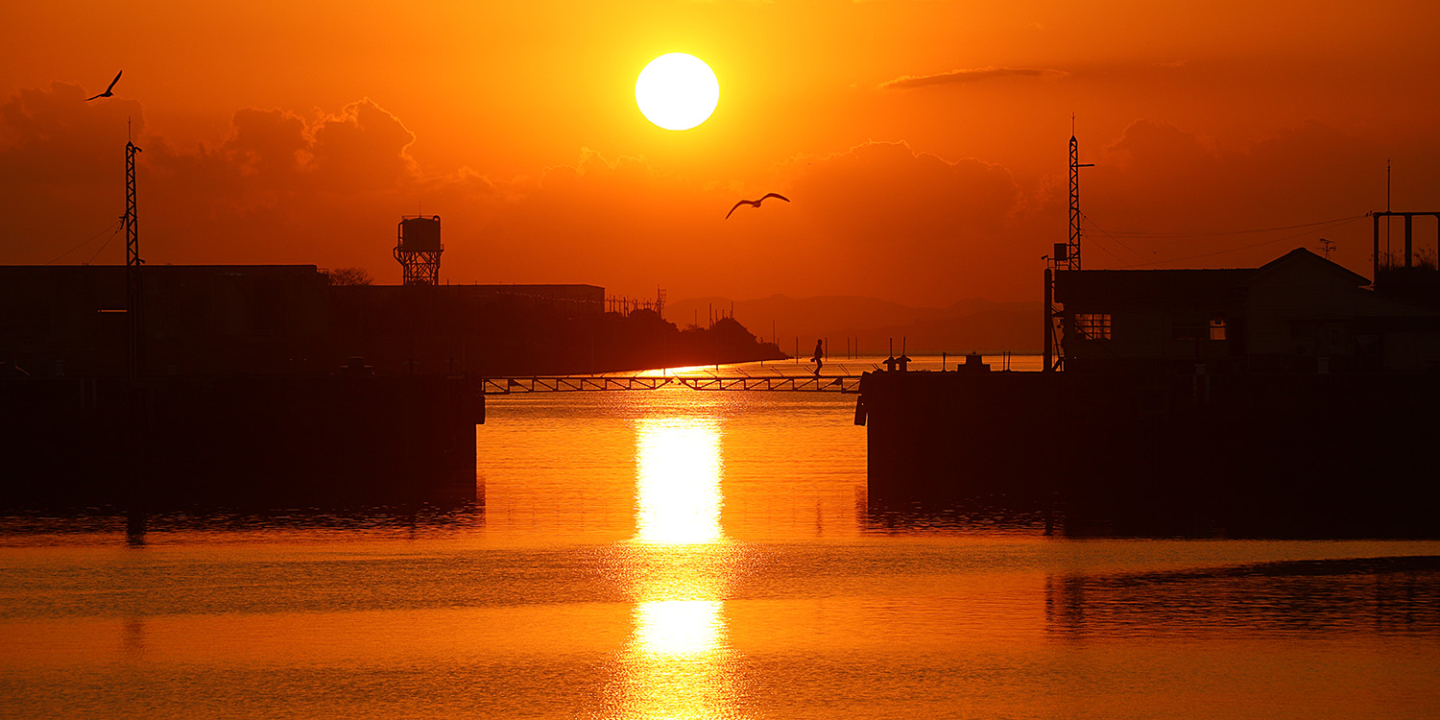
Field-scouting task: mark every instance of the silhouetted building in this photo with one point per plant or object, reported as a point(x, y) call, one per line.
point(1299, 313)
point(199, 319)
point(465, 329)
point(271, 320)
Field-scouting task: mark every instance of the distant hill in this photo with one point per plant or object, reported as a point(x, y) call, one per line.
point(967, 326)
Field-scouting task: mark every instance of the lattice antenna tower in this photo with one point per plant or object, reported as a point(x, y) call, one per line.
point(1072, 259)
point(133, 294)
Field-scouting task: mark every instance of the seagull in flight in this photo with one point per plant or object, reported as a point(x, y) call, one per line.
point(107, 92)
point(755, 203)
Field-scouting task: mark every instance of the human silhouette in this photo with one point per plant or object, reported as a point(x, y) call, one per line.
point(755, 203)
point(108, 90)
point(819, 358)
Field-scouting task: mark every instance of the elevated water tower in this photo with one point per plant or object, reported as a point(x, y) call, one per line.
point(419, 248)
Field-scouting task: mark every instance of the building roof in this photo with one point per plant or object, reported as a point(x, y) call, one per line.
point(1300, 257)
point(1190, 285)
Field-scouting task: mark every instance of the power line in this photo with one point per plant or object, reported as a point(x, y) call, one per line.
point(83, 243)
point(1111, 254)
point(1246, 247)
point(1104, 232)
point(105, 244)
point(1158, 235)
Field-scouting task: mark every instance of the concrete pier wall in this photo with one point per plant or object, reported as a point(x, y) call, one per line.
point(171, 441)
point(1246, 454)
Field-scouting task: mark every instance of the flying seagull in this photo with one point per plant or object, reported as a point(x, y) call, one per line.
point(755, 203)
point(107, 92)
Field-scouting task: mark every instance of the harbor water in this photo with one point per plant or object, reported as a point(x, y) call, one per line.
point(684, 554)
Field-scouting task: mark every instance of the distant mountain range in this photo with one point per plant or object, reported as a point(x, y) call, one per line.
point(967, 326)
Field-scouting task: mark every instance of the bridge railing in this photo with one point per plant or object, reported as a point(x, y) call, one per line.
point(706, 383)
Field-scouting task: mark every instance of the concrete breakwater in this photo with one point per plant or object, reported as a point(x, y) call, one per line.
point(171, 441)
point(1241, 454)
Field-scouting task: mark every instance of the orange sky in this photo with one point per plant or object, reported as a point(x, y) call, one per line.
point(923, 143)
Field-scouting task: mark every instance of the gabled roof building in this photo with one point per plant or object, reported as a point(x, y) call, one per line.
point(1297, 313)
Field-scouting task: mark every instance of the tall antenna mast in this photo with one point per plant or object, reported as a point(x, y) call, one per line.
point(133, 295)
point(1066, 257)
point(1387, 209)
point(1073, 250)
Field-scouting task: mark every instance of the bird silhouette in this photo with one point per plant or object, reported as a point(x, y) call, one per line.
point(107, 92)
point(755, 203)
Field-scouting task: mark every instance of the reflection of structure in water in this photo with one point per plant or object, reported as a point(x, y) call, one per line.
point(1371, 595)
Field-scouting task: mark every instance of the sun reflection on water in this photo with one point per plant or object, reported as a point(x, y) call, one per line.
point(677, 493)
point(677, 664)
point(678, 627)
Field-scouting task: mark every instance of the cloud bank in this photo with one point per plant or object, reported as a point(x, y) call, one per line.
point(881, 219)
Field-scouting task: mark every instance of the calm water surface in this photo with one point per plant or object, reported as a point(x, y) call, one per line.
point(688, 555)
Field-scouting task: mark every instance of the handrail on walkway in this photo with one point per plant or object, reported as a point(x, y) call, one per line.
point(707, 383)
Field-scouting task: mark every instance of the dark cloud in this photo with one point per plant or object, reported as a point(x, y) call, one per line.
point(278, 188)
point(894, 217)
point(363, 147)
point(54, 137)
point(881, 218)
point(969, 75)
point(1180, 199)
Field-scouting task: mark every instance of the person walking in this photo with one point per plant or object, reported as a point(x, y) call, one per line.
point(819, 357)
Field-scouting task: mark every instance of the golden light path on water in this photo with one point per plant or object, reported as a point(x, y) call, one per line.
point(677, 491)
point(675, 665)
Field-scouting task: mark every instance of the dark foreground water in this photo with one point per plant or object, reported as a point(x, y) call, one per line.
point(685, 555)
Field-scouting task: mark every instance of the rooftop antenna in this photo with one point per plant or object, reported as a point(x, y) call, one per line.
point(1387, 209)
point(1065, 256)
point(1073, 255)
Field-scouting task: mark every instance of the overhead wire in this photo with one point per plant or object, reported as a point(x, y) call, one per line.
point(1111, 254)
point(104, 245)
point(1224, 233)
point(115, 227)
point(1106, 233)
point(1107, 250)
point(1308, 230)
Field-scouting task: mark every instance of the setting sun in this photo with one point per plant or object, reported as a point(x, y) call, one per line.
point(677, 91)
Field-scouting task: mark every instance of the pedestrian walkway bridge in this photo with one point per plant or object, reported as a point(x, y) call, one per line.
point(704, 382)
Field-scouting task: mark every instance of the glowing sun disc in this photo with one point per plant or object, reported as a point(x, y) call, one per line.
point(677, 91)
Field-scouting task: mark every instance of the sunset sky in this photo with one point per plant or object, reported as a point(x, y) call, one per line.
point(923, 144)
